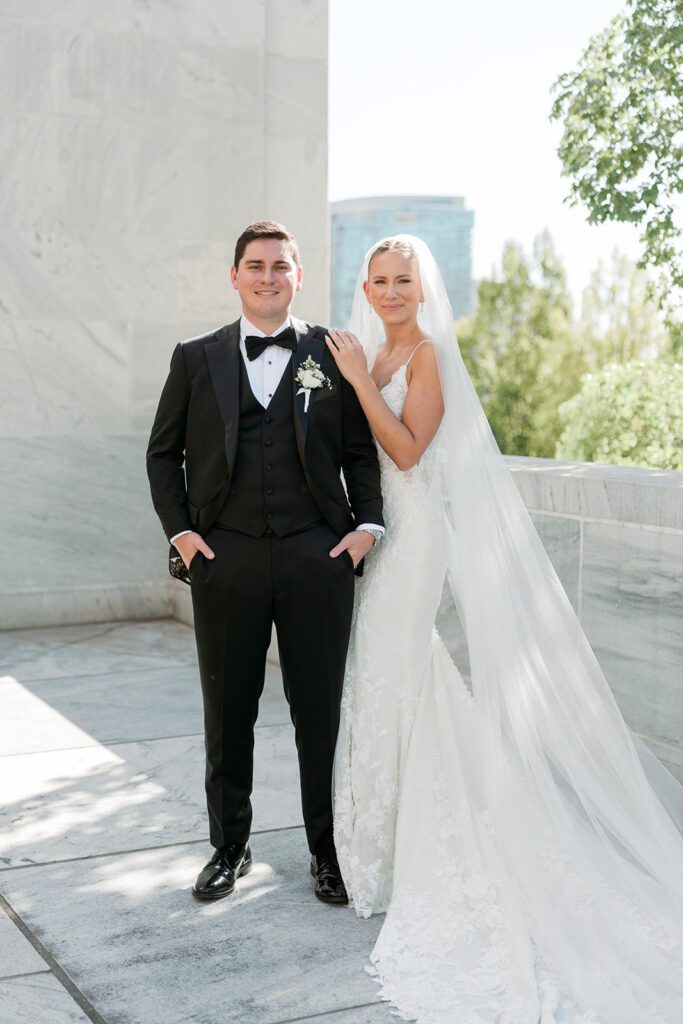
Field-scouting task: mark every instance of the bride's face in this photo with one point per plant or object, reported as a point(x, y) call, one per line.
point(393, 288)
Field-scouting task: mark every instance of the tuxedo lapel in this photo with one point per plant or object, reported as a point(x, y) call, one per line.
point(223, 356)
point(307, 345)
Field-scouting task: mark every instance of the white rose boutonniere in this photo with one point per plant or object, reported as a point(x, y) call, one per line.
point(310, 376)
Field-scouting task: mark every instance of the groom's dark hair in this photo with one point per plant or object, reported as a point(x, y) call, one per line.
point(266, 229)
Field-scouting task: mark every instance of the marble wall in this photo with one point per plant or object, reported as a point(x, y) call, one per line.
point(615, 537)
point(136, 139)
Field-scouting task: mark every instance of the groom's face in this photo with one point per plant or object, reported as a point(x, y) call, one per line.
point(267, 278)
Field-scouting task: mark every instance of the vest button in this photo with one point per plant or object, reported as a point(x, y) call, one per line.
point(268, 419)
point(270, 466)
point(269, 515)
point(269, 442)
point(269, 490)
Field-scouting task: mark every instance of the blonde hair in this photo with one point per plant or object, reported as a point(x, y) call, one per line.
point(392, 244)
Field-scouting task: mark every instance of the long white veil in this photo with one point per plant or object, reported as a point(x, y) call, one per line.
point(543, 697)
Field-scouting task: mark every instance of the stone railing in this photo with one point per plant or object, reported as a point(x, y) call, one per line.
point(615, 537)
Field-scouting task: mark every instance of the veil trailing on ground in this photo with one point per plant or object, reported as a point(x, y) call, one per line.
point(545, 704)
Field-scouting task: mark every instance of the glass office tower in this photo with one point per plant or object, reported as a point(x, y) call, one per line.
point(442, 221)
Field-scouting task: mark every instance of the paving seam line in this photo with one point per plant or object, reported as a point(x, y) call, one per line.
point(9, 674)
point(58, 971)
point(138, 849)
point(24, 974)
point(328, 1013)
point(110, 628)
point(135, 739)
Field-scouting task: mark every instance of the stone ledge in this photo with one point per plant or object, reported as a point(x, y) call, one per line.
point(29, 607)
point(624, 494)
point(621, 495)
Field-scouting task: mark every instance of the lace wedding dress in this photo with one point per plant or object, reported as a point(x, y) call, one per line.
point(490, 919)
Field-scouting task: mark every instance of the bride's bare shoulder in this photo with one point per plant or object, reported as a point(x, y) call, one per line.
point(422, 362)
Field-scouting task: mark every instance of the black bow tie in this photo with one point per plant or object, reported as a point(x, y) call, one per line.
point(255, 346)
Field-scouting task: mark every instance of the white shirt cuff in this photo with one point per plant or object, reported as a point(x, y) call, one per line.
point(181, 534)
point(372, 526)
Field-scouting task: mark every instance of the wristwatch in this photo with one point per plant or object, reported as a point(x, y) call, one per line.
point(377, 534)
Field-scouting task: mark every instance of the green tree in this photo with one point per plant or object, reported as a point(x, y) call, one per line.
point(622, 145)
point(630, 415)
point(520, 351)
point(619, 322)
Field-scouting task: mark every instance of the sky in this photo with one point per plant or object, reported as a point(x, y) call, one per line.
point(433, 97)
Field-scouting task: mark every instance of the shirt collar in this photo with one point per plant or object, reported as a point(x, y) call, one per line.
point(246, 327)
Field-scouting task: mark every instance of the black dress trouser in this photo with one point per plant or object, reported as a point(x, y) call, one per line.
point(252, 583)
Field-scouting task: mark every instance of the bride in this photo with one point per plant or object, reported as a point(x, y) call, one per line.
point(525, 845)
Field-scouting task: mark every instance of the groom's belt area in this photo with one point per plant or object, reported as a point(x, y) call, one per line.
point(271, 533)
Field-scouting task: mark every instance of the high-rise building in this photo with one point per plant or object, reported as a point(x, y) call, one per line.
point(442, 221)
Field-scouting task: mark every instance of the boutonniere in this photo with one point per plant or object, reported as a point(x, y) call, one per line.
point(310, 376)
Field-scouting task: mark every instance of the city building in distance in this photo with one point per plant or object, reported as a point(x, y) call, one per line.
point(442, 221)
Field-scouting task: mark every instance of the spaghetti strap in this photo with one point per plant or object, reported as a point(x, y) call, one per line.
point(419, 345)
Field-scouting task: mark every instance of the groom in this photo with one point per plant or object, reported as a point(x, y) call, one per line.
point(263, 423)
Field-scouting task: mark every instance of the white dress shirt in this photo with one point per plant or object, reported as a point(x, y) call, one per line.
point(265, 373)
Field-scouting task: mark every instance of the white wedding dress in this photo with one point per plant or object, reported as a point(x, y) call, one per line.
point(491, 919)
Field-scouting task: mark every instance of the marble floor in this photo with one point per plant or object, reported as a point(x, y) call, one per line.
point(103, 829)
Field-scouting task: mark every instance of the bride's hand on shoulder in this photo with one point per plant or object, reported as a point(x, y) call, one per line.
point(349, 355)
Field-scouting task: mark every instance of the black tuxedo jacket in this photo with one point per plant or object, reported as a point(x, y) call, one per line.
point(197, 424)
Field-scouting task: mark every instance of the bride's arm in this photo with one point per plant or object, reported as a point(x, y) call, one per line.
point(404, 439)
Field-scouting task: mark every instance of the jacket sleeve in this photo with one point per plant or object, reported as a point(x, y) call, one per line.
point(359, 460)
point(166, 450)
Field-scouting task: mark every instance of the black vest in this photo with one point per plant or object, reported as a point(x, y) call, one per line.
point(268, 489)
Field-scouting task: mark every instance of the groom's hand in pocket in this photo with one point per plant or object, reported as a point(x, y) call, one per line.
point(189, 544)
point(357, 543)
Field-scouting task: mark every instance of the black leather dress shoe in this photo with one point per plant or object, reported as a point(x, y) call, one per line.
point(217, 878)
point(329, 884)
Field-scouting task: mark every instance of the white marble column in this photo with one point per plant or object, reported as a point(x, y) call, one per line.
point(137, 139)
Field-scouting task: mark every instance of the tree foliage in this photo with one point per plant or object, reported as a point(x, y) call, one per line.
point(619, 322)
point(518, 348)
point(527, 356)
point(622, 145)
point(632, 415)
